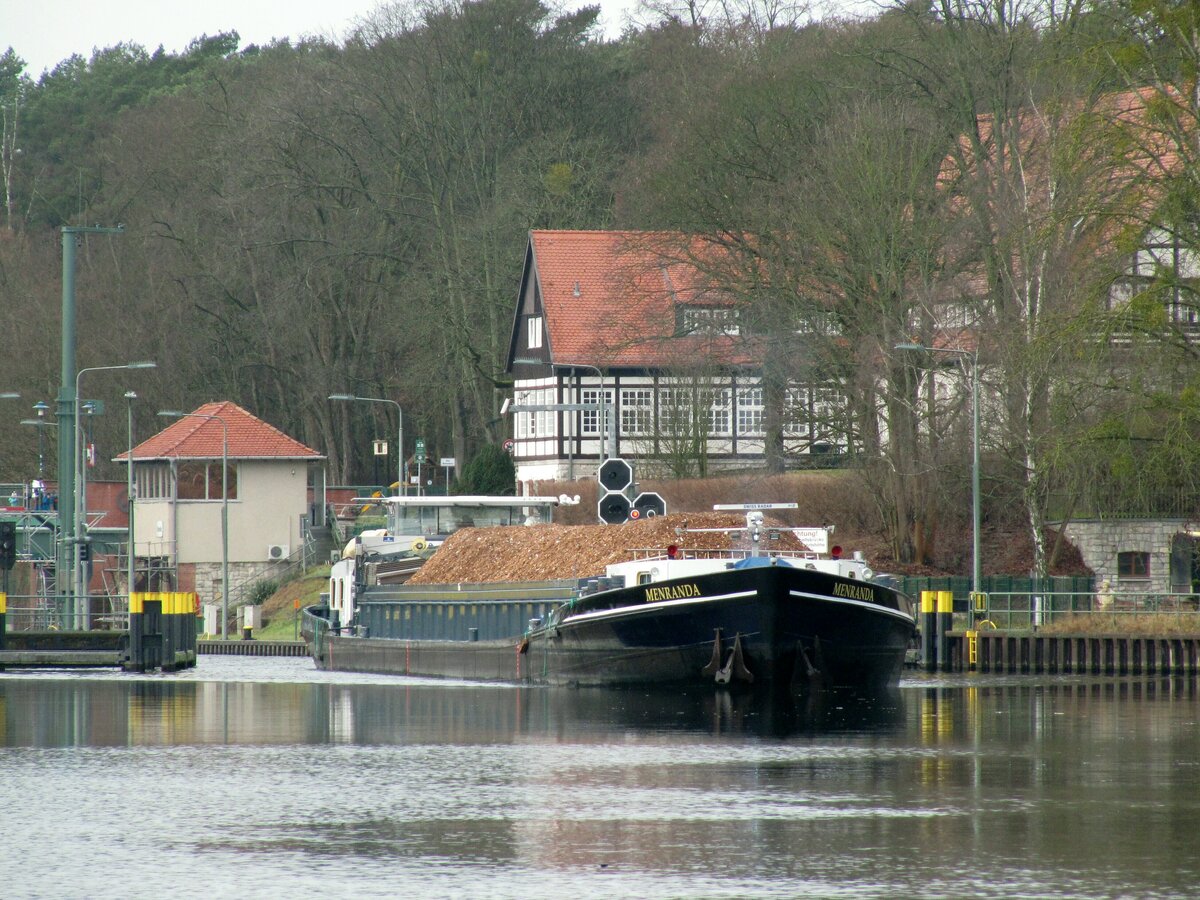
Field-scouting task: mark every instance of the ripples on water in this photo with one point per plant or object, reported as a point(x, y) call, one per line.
point(264, 776)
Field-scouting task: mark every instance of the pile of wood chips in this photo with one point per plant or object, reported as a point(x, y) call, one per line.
point(547, 552)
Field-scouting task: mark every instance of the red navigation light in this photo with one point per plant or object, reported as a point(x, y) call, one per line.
point(673, 551)
point(836, 552)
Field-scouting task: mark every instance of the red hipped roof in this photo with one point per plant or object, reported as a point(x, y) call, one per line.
point(193, 437)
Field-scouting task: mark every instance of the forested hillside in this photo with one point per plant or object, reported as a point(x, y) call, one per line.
point(310, 219)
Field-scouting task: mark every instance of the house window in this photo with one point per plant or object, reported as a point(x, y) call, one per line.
point(637, 406)
point(535, 332)
point(796, 414)
point(202, 481)
point(708, 320)
point(537, 423)
point(590, 421)
point(718, 412)
point(675, 407)
point(750, 411)
point(1133, 564)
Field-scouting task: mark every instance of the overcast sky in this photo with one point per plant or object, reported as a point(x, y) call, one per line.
point(45, 32)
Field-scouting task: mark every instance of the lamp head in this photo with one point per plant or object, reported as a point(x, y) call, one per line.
point(342, 397)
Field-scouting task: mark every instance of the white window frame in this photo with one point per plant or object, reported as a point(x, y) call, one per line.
point(675, 410)
point(750, 412)
point(719, 418)
point(534, 333)
point(589, 421)
point(637, 410)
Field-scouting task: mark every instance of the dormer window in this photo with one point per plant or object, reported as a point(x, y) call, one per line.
point(707, 320)
point(535, 332)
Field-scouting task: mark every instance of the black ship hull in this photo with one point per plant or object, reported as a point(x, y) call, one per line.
point(756, 627)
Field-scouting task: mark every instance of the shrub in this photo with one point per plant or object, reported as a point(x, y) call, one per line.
point(490, 472)
point(261, 591)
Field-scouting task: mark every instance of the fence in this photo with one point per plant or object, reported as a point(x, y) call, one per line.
point(1020, 610)
point(35, 612)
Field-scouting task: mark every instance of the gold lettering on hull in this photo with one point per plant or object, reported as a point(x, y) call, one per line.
point(854, 592)
point(671, 592)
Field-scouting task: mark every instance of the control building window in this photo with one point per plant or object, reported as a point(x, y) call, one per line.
point(202, 481)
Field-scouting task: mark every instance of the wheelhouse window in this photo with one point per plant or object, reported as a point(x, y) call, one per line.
point(1133, 564)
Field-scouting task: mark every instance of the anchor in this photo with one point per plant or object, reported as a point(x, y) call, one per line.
point(714, 664)
point(735, 666)
point(804, 668)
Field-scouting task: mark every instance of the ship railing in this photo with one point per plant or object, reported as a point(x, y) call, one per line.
point(649, 553)
point(459, 592)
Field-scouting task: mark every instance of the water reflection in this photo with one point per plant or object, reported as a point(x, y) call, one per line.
point(295, 781)
point(47, 712)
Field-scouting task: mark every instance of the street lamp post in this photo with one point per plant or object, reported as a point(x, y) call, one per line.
point(130, 396)
point(608, 430)
point(400, 485)
point(973, 356)
point(605, 430)
point(78, 519)
point(40, 408)
point(176, 414)
point(41, 496)
point(67, 412)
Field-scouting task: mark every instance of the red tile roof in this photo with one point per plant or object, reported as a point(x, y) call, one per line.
point(1129, 177)
point(193, 437)
point(609, 298)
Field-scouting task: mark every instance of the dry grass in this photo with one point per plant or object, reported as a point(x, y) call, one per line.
point(1139, 624)
point(822, 497)
point(837, 498)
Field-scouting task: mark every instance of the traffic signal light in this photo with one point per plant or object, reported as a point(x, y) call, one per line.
point(8, 545)
point(613, 509)
point(85, 551)
point(615, 474)
point(648, 504)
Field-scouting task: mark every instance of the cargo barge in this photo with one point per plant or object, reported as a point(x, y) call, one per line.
point(745, 616)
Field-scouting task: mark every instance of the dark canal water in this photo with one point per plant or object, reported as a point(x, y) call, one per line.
point(264, 777)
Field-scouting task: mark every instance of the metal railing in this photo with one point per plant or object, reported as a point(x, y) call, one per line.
point(1026, 610)
point(35, 612)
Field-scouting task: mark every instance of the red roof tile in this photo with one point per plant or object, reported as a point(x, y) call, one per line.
point(609, 298)
point(193, 437)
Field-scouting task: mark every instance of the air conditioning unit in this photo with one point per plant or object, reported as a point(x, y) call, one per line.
point(277, 551)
